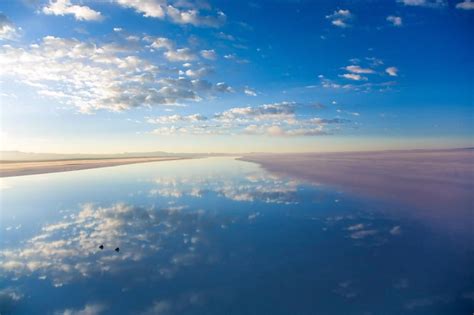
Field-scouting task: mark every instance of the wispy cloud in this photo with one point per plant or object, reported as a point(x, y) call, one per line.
point(424, 3)
point(395, 20)
point(465, 5)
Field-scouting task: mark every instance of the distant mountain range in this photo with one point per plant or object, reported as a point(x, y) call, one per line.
point(30, 156)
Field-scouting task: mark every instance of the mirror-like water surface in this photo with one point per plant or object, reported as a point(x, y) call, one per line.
point(217, 236)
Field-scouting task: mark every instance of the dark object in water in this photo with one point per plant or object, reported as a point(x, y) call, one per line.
point(101, 247)
point(117, 249)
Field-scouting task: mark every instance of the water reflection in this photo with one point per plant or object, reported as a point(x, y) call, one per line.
point(218, 236)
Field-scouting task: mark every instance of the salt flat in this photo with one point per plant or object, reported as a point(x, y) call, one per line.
point(437, 182)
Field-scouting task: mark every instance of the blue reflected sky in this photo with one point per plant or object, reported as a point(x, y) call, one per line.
point(217, 236)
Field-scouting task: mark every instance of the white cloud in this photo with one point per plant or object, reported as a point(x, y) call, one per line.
point(276, 111)
point(235, 58)
point(395, 20)
point(161, 42)
point(7, 28)
point(180, 54)
point(353, 76)
point(224, 87)
point(250, 92)
point(359, 70)
point(363, 234)
point(465, 5)
point(279, 119)
point(64, 7)
point(392, 71)
point(177, 118)
point(209, 54)
point(149, 8)
point(193, 17)
point(181, 12)
point(424, 3)
point(198, 73)
point(340, 18)
point(112, 76)
point(89, 309)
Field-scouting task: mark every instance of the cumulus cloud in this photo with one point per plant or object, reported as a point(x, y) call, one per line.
point(193, 17)
point(465, 5)
point(392, 71)
point(395, 20)
point(179, 12)
point(108, 76)
point(340, 18)
point(7, 28)
point(424, 3)
point(277, 111)
point(65, 7)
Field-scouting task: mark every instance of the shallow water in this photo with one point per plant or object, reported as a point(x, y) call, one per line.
point(217, 236)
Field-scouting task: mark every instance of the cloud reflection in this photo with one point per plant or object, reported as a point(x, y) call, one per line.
point(68, 249)
point(250, 188)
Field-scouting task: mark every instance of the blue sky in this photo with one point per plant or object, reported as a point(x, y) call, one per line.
point(127, 75)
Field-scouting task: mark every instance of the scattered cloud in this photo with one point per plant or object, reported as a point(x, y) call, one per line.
point(356, 73)
point(209, 54)
point(89, 309)
point(278, 119)
point(340, 18)
point(395, 20)
point(465, 5)
point(111, 76)
point(363, 234)
point(65, 7)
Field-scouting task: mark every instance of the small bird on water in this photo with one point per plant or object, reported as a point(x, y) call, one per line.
point(101, 247)
point(117, 249)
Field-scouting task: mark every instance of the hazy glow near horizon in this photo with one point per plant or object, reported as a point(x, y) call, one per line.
point(198, 76)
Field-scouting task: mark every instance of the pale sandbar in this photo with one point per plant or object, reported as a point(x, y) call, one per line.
point(20, 168)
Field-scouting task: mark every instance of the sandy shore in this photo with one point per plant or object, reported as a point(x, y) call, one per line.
point(8, 169)
point(438, 183)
